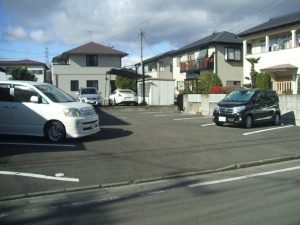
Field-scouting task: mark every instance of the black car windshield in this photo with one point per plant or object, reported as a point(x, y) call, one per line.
point(54, 93)
point(239, 96)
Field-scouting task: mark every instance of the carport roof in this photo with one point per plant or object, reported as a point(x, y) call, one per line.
point(124, 72)
point(280, 68)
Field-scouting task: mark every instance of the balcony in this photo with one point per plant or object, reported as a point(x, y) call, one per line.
point(197, 65)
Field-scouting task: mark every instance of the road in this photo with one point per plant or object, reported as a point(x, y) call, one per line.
point(261, 196)
point(134, 146)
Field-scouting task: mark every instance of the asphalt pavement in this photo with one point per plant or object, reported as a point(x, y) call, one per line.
point(137, 146)
point(261, 195)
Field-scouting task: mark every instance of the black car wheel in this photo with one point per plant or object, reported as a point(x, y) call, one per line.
point(55, 131)
point(248, 121)
point(276, 119)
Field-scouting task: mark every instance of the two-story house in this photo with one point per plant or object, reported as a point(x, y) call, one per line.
point(220, 52)
point(39, 69)
point(159, 66)
point(86, 66)
point(277, 44)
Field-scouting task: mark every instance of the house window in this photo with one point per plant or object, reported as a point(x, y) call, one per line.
point(36, 72)
point(92, 83)
point(74, 85)
point(233, 83)
point(232, 54)
point(91, 60)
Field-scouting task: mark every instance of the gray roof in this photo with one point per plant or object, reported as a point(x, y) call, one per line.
point(216, 38)
point(91, 48)
point(276, 22)
point(18, 63)
point(157, 57)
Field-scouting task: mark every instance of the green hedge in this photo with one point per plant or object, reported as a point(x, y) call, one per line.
point(263, 80)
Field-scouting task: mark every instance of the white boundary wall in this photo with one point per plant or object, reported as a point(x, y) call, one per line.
point(205, 104)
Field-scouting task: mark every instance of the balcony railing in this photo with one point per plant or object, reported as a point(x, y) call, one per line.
point(283, 87)
point(201, 64)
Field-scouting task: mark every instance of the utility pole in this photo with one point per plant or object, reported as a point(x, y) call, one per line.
point(47, 56)
point(142, 66)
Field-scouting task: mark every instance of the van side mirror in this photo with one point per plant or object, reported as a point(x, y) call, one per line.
point(34, 99)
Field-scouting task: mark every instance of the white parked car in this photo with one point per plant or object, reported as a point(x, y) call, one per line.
point(123, 96)
point(40, 109)
point(89, 95)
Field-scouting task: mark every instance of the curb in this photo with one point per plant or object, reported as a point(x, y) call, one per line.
point(152, 179)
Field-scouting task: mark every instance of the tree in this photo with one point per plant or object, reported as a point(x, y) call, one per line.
point(208, 80)
point(22, 74)
point(253, 73)
point(125, 83)
point(263, 80)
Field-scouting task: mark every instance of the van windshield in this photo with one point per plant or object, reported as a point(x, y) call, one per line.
point(55, 94)
point(239, 96)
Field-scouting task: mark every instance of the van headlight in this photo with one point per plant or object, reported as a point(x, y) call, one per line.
point(238, 109)
point(72, 112)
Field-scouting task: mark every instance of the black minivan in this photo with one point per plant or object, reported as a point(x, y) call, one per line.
point(248, 106)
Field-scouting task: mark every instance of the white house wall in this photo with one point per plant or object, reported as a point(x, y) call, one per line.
point(269, 59)
point(177, 76)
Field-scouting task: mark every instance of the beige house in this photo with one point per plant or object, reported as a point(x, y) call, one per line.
point(39, 69)
point(277, 43)
point(220, 52)
point(160, 66)
point(86, 66)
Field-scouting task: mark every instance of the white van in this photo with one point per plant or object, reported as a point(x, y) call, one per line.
point(40, 109)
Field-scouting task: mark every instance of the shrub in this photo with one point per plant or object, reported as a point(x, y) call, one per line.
point(126, 83)
point(287, 92)
point(215, 90)
point(208, 80)
point(22, 74)
point(263, 80)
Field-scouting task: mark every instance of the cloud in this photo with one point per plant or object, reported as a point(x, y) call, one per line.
point(117, 22)
point(15, 33)
point(40, 36)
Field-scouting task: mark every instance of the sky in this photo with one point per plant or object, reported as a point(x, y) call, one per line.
point(42, 29)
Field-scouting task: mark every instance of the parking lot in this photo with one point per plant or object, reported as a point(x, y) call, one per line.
point(133, 146)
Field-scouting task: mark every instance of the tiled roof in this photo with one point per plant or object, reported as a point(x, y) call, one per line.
point(25, 62)
point(276, 22)
point(220, 37)
point(94, 48)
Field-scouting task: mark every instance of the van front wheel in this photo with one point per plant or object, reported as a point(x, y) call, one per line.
point(55, 131)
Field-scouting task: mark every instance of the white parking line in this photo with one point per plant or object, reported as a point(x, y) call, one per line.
point(243, 177)
point(260, 131)
point(173, 114)
point(40, 176)
point(209, 124)
point(37, 144)
point(190, 118)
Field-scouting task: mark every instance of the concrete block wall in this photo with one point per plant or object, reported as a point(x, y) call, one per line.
point(290, 108)
point(205, 104)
